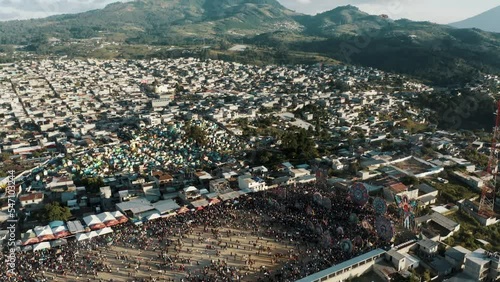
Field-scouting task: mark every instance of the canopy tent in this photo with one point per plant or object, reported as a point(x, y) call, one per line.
point(58, 242)
point(183, 209)
point(60, 231)
point(117, 214)
point(75, 227)
point(93, 222)
point(41, 246)
point(28, 248)
point(56, 223)
point(29, 238)
point(92, 234)
point(120, 217)
point(214, 201)
point(190, 189)
point(107, 218)
point(200, 203)
point(82, 236)
point(104, 231)
point(44, 233)
point(153, 216)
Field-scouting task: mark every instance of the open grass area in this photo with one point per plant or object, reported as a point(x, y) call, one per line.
point(470, 230)
point(452, 192)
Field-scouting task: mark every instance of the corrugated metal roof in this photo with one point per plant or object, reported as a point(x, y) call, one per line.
point(342, 265)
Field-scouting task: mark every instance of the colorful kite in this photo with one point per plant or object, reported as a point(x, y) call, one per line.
point(359, 194)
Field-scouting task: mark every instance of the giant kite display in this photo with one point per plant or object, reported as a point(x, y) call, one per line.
point(384, 228)
point(359, 194)
point(346, 245)
point(379, 206)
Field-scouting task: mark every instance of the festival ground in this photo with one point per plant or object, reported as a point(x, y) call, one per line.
point(267, 236)
point(240, 247)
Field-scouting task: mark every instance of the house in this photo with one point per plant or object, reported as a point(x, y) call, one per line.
point(437, 225)
point(260, 170)
point(59, 182)
point(32, 201)
point(190, 193)
point(203, 176)
point(482, 265)
point(166, 207)
point(135, 207)
point(298, 172)
point(456, 257)
point(254, 184)
point(441, 266)
point(397, 259)
point(399, 189)
point(427, 194)
point(220, 186)
point(162, 177)
point(427, 248)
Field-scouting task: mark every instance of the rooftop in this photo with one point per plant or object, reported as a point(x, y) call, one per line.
point(342, 265)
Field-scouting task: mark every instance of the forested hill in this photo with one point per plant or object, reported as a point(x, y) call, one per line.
point(438, 52)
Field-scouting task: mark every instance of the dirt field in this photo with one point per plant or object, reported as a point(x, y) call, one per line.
point(236, 254)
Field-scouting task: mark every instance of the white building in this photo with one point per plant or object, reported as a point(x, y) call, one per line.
point(246, 182)
point(482, 265)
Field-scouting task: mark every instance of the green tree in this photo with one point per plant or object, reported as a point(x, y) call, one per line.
point(427, 276)
point(414, 277)
point(197, 134)
point(54, 211)
point(409, 180)
point(91, 184)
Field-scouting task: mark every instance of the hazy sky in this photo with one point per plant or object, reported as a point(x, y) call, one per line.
point(440, 11)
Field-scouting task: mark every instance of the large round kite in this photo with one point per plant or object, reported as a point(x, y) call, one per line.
point(384, 228)
point(359, 194)
point(346, 245)
point(379, 206)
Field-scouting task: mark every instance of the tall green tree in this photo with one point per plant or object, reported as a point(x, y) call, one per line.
point(54, 211)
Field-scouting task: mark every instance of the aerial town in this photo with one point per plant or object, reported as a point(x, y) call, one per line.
point(203, 170)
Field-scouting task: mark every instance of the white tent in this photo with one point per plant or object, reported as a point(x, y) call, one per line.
point(41, 246)
point(153, 216)
point(61, 231)
point(92, 220)
point(105, 217)
point(82, 236)
point(117, 214)
point(103, 231)
point(43, 230)
point(92, 234)
point(44, 233)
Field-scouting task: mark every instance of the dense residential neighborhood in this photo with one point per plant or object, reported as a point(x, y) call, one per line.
point(98, 143)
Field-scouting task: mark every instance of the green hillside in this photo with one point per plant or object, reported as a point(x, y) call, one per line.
point(439, 53)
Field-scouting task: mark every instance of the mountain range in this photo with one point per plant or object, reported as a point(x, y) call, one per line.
point(345, 33)
point(488, 21)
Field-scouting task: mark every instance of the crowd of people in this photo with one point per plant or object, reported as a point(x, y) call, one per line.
point(277, 235)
